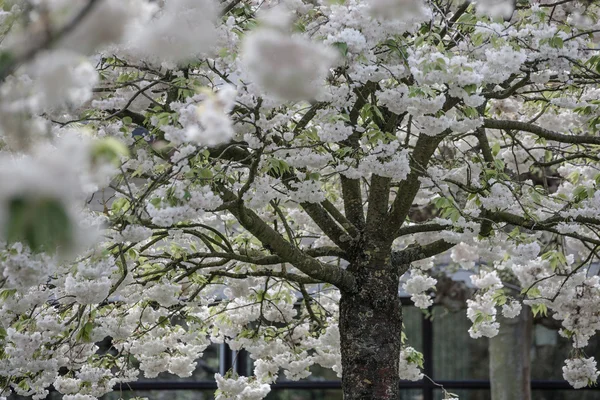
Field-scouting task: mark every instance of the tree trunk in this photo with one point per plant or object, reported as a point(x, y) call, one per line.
point(509, 358)
point(370, 333)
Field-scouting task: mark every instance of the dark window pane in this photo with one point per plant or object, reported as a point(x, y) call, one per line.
point(411, 394)
point(162, 395)
point(550, 350)
point(465, 394)
point(455, 354)
point(413, 318)
point(565, 395)
point(329, 394)
point(303, 394)
point(319, 373)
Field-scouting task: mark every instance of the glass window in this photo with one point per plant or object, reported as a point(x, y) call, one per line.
point(464, 394)
point(455, 355)
point(162, 395)
point(549, 351)
point(413, 319)
point(565, 395)
point(411, 394)
point(304, 394)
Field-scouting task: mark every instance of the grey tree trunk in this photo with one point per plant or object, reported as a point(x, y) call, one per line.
point(370, 333)
point(510, 358)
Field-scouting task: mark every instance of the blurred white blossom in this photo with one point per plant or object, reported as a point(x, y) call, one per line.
point(289, 67)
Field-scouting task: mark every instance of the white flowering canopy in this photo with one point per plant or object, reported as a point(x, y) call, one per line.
point(178, 173)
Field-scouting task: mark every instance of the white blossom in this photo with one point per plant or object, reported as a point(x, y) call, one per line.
point(181, 31)
point(409, 364)
point(580, 372)
point(289, 67)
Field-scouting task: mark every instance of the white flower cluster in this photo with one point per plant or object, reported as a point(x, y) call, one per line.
point(500, 197)
point(574, 305)
point(181, 31)
point(386, 160)
point(308, 191)
point(164, 293)
point(21, 269)
point(304, 158)
point(179, 203)
point(107, 23)
point(204, 124)
point(240, 388)
point(405, 10)
point(168, 349)
point(334, 132)
point(410, 362)
point(289, 67)
point(580, 372)
point(416, 285)
point(496, 8)
point(482, 309)
point(60, 81)
point(512, 309)
point(134, 233)
point(91, 283)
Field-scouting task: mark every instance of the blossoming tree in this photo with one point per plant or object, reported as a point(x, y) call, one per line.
point(269, 173)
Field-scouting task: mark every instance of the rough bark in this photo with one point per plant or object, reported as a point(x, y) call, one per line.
point(509, 358)
point(370, 332)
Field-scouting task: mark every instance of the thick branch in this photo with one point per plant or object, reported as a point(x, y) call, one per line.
point(486, 151)
point(379, 195)
point(415, 253)
point(508, 92)
point(408, 189)
point(353, 201)
point(419, 228)
point(539, 131)
point(267, 273)
point(263, 259)
point(289, 253)
point(340, 218)
point(546, 225)
point(328, 225)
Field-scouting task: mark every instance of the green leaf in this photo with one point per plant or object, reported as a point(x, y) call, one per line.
point(556, 42)
point(342, 48)
point(108, 150)
point(42, 224)
point(540, 309)
point(6, 59)
point(205, 173)
point(377, 112)
point(120, 204)
point(496, 148)
point(85, 333)
point(7, 293)
point(470, 88)
point(23, 385)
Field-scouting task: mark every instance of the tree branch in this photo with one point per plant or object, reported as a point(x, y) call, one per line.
point(539, 131)
point(418, 252)
point(407, 190)
point(267, 273)
point(328, 225)
point(353, 205)
point(289, 253)
point(379, 196)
